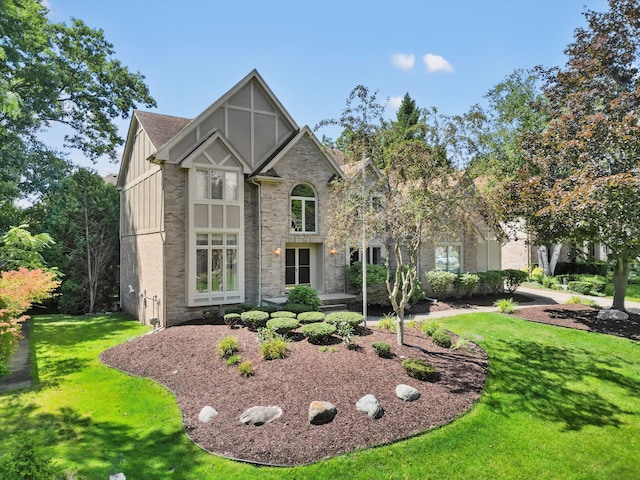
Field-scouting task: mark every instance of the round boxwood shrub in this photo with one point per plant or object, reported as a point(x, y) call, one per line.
point(382, 349)
point(310, 317)
point(282, 325)
point(419, 369)
point(254, 319)
point(283, 314)
point(305, 295)
point(441, 338)
point(318, 332)
point(352, 318)
point(232, 319)
point(298, 307)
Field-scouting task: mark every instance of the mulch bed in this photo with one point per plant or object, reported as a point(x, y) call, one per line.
point(184, 360)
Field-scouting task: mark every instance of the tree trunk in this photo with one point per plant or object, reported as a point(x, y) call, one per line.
point(543, 259)
point(400, 327)
point(555, 254)
point(549, 265)
point(620, 280)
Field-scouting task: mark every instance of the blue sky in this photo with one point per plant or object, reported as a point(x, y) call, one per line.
point(444, 53)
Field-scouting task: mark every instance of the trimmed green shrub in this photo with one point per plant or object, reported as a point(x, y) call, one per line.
point(304, 295)
point(583, 288)
point(441, 283)
point(246, 368)
point(310, 317)
point(376, 274)
point(284, 314)
point(318, 332)
point(227, 346)
point(254, 319)
point(352, 318)
point(232, 319)
point(441, 338)
point(429, 328)
point(273, 349)
point(598, 283)
point(377, 295)
point(298, 308)
point(490, 282)
point(550, 282)
point(233, 360)
point(466, 284)
point(513, 279)
point(283, 325)
point(382, 349)
point(419, 369)
point(270, 309)
point(506, 305)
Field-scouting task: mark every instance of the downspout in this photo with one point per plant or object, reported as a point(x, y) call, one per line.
point(259, 240)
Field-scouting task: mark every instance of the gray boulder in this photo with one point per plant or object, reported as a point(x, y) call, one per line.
point(207, 414)
point(612, 315)
point(117, 476)
point(321, 412)
point(260, 415)
point(407, 393)
point(371, 406)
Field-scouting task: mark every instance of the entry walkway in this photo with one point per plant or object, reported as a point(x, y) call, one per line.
point(20, 376)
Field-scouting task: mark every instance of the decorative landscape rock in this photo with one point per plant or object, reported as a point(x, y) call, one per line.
point(207, 413)
point(117, 476)
point(612, 315)
point(370, 405)
point(260, 415)
point(407, 393)
point(321, 412)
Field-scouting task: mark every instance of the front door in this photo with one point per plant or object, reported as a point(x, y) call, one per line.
point(297, 266)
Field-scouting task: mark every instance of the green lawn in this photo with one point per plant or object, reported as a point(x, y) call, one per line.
point(632, 293)
point(559, 404)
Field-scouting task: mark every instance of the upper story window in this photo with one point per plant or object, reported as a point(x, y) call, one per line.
point(217, 185)
point(304, 211)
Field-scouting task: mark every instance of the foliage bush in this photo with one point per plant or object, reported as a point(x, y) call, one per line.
point(506, 305)
point(575, 299)
point(305, 295)
point(254, 319)
point(284, 314)
point(283, 325)
point(318, 333)
point(298, 308)
point(387, 322)
point(466, 283)
point(441, 283)
point(345, 331)
point(583, 288)
point(376, 275)
point(441, 338)
point(246, 368)
point(233, 360)
point(232, 319)
point(227, 346)
point(419, 369)
point(310, 317)
point(382, 349)
point(28, 458)
point(598, 283)
point(550, 282)
point(352, 318)
point(273, 349)
point(377, 295)
point(513, 278)
point(270, 309)
point(537, 274)
point(19, 290)
point(429, 328)
point(490, 282)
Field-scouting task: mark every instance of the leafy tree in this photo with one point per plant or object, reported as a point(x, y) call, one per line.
point(584, 173)
point(54, 73)
point(408, 117)
point(18, 248)
point(83, 213)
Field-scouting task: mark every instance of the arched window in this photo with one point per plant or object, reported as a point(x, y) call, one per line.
point(304, 211)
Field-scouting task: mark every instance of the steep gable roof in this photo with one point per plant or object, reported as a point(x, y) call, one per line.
point(160, 128)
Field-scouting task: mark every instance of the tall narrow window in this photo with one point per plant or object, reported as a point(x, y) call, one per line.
point(216, 262)
point(304, 215)
point(448, 258)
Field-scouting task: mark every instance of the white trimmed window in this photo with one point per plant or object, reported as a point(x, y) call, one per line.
point(215, 236)
point(449, 257)
point(304, 209)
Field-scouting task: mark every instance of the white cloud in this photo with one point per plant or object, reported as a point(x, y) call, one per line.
point(436, 63)
point(403, 61)
point(394, 103)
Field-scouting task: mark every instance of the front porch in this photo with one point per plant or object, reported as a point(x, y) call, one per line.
point(330, 301)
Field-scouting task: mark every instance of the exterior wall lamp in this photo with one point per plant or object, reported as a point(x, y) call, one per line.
point(277, 251)
point(332, 251)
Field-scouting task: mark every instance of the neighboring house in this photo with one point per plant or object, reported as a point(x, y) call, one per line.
point(230, 207)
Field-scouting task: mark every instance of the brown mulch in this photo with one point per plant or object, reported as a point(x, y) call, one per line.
point(184, 360)
point(582, 317)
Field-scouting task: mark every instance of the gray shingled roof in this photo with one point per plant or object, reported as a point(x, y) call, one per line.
point(161, 128)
